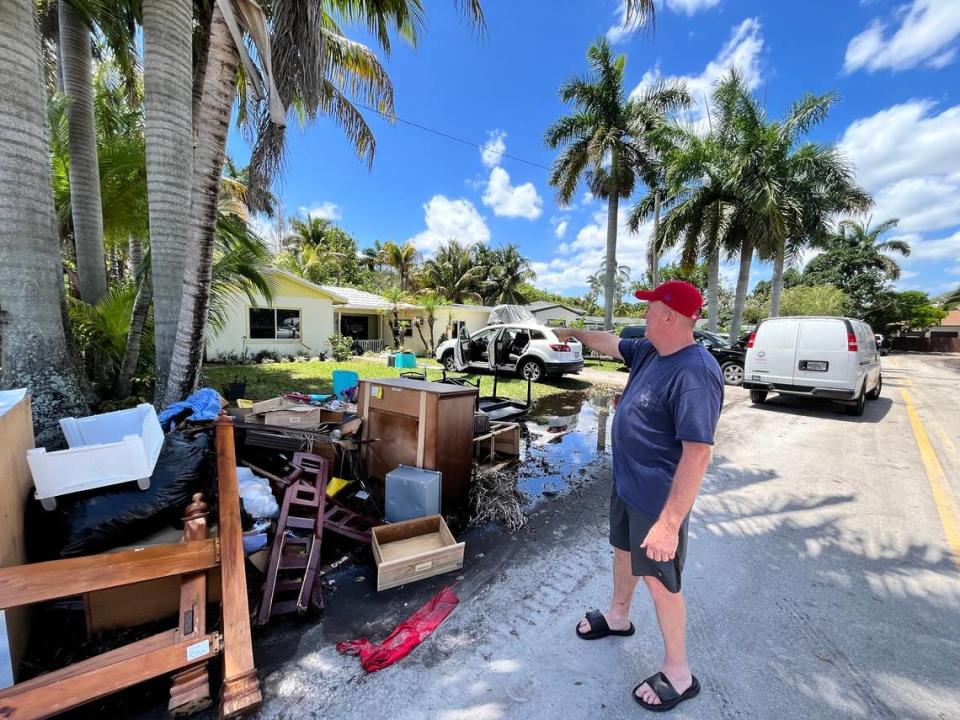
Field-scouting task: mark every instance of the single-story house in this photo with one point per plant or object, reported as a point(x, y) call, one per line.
point(303, 316)
point(300, 319)
point(949, 327)
point(554, 314)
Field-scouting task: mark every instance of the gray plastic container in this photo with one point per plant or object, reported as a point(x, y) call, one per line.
point(412, 493)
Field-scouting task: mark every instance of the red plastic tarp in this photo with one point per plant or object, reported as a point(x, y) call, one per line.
point(405, 637)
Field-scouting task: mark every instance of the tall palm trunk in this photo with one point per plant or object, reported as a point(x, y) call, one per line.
point(743, 279)
point(35, 351)
point(168, 130)
point(77, 68)
point(134, 256)
point(652, 255)
point(131, 355)
point(776, 288)
point(610, 276)
point(213, 123)
point(713, 290)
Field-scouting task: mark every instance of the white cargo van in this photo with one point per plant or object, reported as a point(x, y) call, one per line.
point(825, 357)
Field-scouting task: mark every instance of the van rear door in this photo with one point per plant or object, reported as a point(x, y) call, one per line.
point(770, 360)
point(823, 360)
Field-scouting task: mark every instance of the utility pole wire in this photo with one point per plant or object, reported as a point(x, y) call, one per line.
point(448, 136)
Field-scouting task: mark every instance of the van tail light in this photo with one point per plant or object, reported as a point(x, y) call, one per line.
point(560, 348)
point(851, 342)
point(753, 337)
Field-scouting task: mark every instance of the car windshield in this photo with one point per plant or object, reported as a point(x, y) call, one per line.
point(714, 339)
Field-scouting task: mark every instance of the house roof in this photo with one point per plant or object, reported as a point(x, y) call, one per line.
point(354, 299)
point(462, 306)
point(952, 319)
point(330, 292)
point(538, 305)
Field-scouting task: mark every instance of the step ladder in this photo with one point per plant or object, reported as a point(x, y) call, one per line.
point(292, 583)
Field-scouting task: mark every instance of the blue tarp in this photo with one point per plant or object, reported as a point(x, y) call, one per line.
point(204, 404)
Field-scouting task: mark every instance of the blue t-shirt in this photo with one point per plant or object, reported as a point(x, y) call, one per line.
point(668, 399)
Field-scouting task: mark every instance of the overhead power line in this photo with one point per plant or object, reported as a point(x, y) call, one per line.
point(448, 136)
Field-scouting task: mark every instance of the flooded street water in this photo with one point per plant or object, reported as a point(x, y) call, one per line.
point(562, 435)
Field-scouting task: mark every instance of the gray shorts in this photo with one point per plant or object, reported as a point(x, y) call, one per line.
point(629, 528)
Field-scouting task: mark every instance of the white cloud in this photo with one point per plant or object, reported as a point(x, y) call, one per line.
point(573, 262)
point(741, 51)
point(908, 156)
point(449, 219)
point(925, 29)
point(493, 150)
point(619, 31)
point(326, 210)
point(587, 198)
point(691, 7)
point(947, 248)
point(511, 200)
point(561, 229)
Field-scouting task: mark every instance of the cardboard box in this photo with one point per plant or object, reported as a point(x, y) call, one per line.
point(413, 550)
point(286, 413)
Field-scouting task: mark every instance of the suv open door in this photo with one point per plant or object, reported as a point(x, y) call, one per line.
point(461, 351)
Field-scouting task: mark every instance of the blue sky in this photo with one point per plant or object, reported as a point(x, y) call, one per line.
point(895, 65)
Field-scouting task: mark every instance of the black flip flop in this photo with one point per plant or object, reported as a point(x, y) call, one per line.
point(600, 629)
point(669, 698)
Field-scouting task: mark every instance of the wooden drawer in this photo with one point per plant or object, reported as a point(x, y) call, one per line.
point(413, 550)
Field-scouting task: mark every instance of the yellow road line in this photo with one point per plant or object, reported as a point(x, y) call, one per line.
point(949, 517)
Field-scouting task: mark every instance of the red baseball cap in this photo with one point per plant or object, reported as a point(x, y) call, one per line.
point(677, 295)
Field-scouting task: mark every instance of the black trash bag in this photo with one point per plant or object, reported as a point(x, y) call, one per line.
point(98, 520)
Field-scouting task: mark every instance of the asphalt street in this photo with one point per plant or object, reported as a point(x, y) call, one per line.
point(821, 584)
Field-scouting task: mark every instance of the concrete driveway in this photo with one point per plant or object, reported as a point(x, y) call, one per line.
point(820, 584)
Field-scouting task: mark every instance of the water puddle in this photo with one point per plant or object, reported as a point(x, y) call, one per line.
point(562, 436)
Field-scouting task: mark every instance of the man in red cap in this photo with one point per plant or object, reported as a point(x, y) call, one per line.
point(662, 438)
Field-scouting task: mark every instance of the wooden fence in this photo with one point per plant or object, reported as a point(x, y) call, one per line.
point(937, 342)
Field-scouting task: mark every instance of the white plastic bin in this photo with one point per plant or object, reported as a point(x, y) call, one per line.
point(107, 449)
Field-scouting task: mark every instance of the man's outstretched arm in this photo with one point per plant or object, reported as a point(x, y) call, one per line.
point(604, 343)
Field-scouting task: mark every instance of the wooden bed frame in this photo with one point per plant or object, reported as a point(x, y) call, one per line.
point(183, 651)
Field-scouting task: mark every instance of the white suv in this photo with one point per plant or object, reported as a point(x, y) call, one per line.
point(533, 351)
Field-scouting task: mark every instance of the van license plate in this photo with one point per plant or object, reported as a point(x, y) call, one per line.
point(815, 365)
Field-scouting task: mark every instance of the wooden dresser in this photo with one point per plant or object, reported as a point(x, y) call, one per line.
point(423, 424)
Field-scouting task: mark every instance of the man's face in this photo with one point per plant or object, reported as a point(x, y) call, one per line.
point(657, 315)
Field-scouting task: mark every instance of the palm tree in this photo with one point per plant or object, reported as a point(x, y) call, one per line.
point(864, 237)
point(507, 276)
point(429, 301)
point(403, 259)
point(71, 22)
point(596, 283)
point(35, 351)
point(605, 142)
point(315, 67)
point(449, 274)
point(168, 131)
point(76, 62)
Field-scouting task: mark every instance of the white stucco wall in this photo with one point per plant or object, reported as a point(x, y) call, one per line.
point(316, 323)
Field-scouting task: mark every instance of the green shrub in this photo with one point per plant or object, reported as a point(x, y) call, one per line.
point(340, 347)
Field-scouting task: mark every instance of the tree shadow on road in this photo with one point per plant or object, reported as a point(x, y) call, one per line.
point(846, 619)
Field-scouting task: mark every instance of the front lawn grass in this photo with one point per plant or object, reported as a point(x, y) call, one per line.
point(271, 379)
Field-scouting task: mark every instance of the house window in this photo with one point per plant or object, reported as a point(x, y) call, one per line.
point(274, 324)
point(555, 322)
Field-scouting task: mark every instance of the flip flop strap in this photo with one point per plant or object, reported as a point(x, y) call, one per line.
point(598, 623)
point(662, 687)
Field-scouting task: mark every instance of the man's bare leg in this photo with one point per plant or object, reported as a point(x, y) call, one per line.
point(672, 617)
point(624, 585)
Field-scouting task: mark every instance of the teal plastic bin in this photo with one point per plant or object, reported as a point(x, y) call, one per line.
point(405, 360)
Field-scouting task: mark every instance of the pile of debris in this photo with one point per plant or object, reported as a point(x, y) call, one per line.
point(148, 516)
